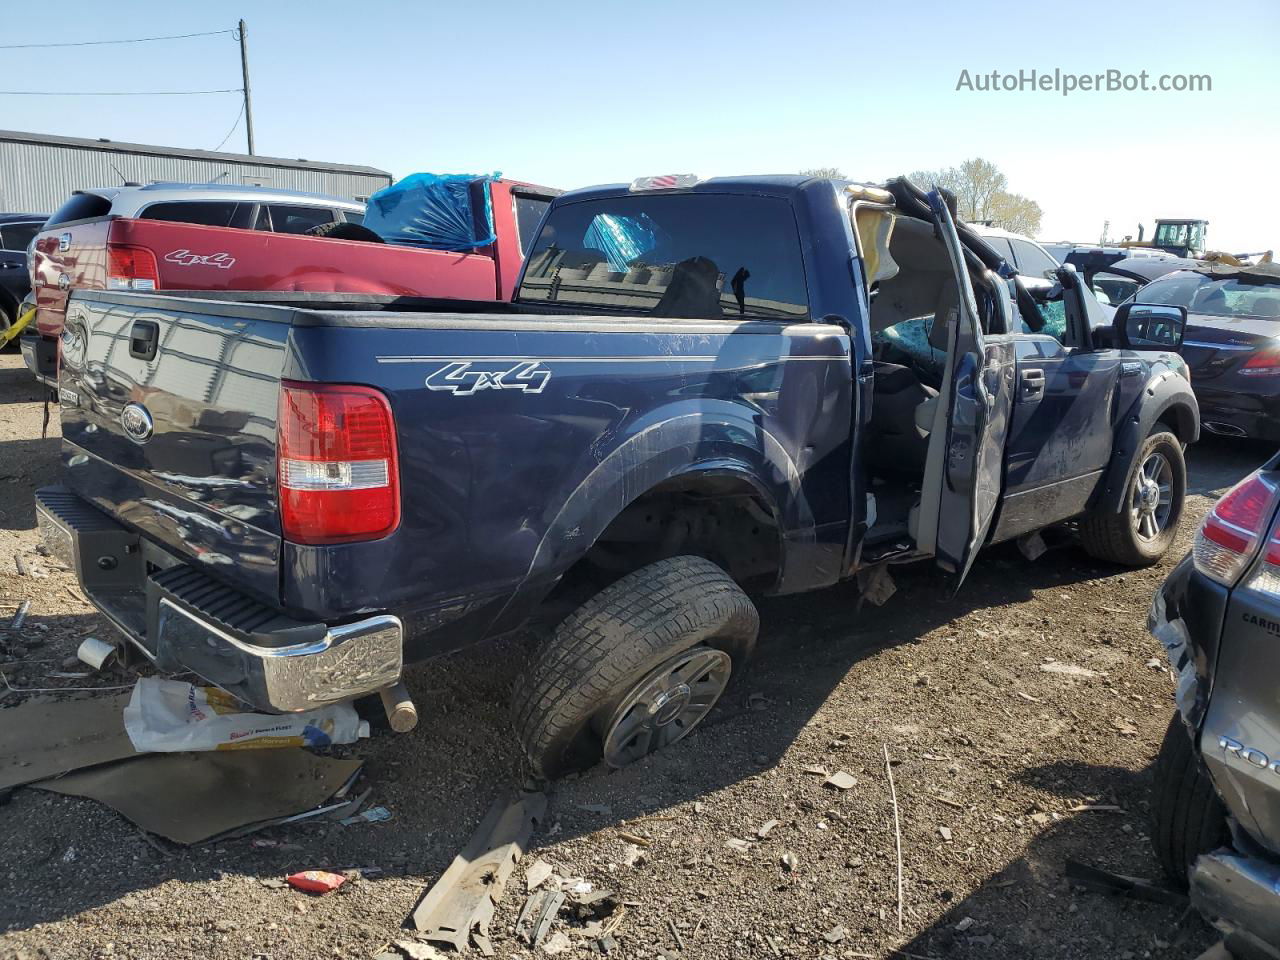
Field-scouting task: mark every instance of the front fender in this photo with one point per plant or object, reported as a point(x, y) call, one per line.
point(1166, 396)
point(678, 440)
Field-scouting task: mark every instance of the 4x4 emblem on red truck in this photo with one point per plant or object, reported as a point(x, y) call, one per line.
point(528, 376)
point(223, 261)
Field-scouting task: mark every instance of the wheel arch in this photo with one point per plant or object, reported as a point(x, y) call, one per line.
point(1167, 400)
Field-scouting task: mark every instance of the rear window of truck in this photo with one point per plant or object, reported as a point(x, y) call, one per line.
point(81, 206)
point(205, 213)
point(700, 256)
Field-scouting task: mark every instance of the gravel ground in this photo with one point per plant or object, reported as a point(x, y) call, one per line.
point(993, 757)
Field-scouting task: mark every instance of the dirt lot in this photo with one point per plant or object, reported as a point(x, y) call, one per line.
point(987, 745)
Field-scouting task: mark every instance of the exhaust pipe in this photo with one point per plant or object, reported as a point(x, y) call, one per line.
point(1223, 429)
point(401, 713)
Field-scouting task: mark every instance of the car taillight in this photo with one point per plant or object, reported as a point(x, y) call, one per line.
point(1266, 579)
point(131, 268)
point(1228, 539)
point(338, 470)
point(1264, 363)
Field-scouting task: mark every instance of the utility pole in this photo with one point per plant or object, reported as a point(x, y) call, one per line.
point(248, 101)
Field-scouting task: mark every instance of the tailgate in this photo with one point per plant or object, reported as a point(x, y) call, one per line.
point(169, 425)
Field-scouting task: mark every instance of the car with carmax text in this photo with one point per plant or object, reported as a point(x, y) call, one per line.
point(682, 405)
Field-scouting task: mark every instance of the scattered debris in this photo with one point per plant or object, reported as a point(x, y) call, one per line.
point(741, 846)
point(169, 716)
point(766, 828)
point(20, 617)
point(945, 833)
point(789, 862)
point(603, 808)
point(457, 909)
point(96, 653)
point(315, 881)
point(965, 924)
point(1155, 663)
point(758, 702)
point(816, 770)
point(946, 801)
point(1032, 546)
point(1068, 669)
point(537, 874)
point(557, 943)
point(1103, 881)
point(897, 827)
point(632, 855)
point(875, 585)
point(840, 780)
point(419, 951)
point(1108, 807)
point(21, 566)
point(1028, 697)
point(40, 740)
point(835, 935)
point(192, 797)
point(536, 916)
point(1124, 726)
point(273, 883)
point(634, 838)
point(671, 925)
point(372, 815)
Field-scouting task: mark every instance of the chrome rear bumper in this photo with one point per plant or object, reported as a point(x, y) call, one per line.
point(182, 619)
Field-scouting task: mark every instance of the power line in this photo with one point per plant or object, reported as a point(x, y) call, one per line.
point(239, 114)
point(96, 43)
point(114, 93)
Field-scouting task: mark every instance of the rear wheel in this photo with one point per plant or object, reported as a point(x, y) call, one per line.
point(635, 668)
point(1187, 817)
point(1144, 528)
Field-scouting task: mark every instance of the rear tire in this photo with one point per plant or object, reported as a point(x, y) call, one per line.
point(1126, 537)
point(1187, 818)
point(591, 678)
point(342, 230)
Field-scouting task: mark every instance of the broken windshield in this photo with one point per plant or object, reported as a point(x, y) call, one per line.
point(701, 256)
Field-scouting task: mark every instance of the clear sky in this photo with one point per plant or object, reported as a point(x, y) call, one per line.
point(589, 91)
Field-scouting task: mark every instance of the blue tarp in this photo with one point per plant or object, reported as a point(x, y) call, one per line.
point(433, 210)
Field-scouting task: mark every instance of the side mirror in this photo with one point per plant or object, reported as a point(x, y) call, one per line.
point(1150, 326)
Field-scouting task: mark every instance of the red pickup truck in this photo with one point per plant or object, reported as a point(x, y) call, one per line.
point(215, 237)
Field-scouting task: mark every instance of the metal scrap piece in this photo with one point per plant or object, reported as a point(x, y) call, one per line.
point(457, 909)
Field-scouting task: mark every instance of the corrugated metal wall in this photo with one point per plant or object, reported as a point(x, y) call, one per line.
point(38, 178)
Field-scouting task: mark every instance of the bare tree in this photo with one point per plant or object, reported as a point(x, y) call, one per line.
point(824, 173)
point(982, 195)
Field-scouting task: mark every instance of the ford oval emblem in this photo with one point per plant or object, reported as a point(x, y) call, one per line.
point(137, 422)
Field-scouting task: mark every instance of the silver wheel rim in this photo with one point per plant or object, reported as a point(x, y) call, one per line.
point(666, 704)
point(1151, 499)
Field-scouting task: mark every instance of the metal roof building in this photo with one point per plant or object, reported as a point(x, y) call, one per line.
point(38, 172)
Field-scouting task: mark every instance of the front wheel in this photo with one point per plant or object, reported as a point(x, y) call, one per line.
point(635, 668)
point(1155, 490)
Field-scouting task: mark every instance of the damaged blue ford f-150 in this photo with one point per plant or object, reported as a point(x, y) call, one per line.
point(701, 389)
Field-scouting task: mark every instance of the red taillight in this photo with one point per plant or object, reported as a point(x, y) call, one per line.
point(131, 268)
point(1229, 537)
point(1264, 363)
point(338, 471)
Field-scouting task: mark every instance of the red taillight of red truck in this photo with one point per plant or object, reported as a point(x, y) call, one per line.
point(338, 472)
point(131, 267)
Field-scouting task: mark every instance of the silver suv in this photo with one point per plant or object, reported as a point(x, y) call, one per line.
point(212, 205)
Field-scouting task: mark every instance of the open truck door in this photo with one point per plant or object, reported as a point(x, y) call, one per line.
point(964, 468)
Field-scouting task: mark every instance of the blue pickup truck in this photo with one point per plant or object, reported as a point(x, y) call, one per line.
point(701, 390)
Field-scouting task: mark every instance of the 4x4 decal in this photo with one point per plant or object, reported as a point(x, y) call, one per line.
point(528, 376)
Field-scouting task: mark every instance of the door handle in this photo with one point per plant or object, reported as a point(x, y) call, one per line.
point(144, 337)
point(1032, 382)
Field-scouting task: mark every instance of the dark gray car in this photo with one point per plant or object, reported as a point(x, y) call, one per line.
point(1216, 803)
point(16, 232)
